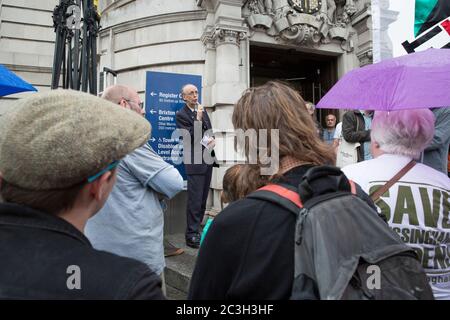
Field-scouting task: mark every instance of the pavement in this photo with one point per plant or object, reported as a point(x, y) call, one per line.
point(179, 268)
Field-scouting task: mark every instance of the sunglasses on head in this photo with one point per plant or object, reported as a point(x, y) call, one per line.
point(110, 167)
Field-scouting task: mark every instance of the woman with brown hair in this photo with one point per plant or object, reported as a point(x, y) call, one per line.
point(249, 250)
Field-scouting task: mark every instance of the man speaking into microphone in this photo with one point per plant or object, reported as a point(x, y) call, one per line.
point(194, 119)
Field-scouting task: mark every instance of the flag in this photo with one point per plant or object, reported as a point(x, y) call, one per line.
point(428, 13)
point(436, 37)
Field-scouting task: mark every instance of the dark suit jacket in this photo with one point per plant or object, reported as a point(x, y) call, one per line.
point(185, 119)
point(354, 130)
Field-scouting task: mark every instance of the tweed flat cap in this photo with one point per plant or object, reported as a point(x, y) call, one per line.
point(60, 138)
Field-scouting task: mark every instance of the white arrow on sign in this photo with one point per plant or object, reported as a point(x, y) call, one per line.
point(153, 94)
point(153, 111)
point(152, 139)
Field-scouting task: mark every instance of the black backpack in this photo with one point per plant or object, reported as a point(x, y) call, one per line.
point(343, 249)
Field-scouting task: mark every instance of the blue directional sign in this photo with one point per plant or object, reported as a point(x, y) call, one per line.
point(162, 101)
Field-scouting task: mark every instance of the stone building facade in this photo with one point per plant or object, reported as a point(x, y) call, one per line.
point(27, 43)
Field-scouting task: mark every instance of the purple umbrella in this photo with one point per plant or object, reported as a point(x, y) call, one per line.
point(414, 81)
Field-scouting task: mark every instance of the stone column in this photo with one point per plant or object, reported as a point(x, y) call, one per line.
point(364, 27)
point(228, 57)
point(386, 18)
point(226, 90)
point(223, 81)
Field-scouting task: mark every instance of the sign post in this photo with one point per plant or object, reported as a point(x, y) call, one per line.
point(162, 101)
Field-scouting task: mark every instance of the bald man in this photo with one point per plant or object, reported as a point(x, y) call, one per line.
point(198, 174)
point(126, 97)
point(131, 223)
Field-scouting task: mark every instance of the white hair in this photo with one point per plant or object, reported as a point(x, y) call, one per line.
point(405, 132)
point(116, 92)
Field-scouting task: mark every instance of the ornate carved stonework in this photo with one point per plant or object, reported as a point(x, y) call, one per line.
point(310, 7)
point(365, 57)
point(305, 22)
point(208, 38)
point(221, 35)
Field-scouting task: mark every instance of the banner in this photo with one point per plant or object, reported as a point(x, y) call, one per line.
point(428, 13)
point(405, 26)
point(437, 37)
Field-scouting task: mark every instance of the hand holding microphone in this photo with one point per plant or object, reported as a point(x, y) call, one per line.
point(199, 112)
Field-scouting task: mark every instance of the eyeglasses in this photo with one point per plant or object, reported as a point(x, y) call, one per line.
point(111, 166)
point(140, 104)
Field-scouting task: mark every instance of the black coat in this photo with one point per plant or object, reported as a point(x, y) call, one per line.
point(38, 249)
point(248, 252)
point(354, 130)
point(186, 119)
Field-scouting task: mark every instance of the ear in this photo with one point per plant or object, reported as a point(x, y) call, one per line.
point(375, 144)
point(375, 148)
point(101, 187)
point(122, 103)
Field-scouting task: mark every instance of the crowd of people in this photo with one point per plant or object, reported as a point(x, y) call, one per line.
point(83, 195)
point(254, 239)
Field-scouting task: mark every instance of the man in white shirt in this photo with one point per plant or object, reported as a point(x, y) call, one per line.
point(337, 136)
point(417, 206)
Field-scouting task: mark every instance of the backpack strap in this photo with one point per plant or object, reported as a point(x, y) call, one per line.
point(317, 181)
point(375, 196)
point(281, 194)
point(352, 186)
point(284, 192)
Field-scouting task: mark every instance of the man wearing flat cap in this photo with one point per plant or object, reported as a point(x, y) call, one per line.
point(58, 156)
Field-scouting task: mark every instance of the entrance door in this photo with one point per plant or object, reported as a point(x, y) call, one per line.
point(311, 74)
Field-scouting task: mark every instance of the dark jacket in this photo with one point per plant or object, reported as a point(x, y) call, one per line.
point(37, 251)
point(436, 154)
point(186, 119)
point(353, 130)
point(248, 252)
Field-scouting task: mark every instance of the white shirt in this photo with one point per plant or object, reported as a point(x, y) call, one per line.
point(417, 208)
point(338, 131)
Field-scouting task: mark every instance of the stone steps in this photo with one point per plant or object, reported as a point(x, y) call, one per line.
point(179, 269)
